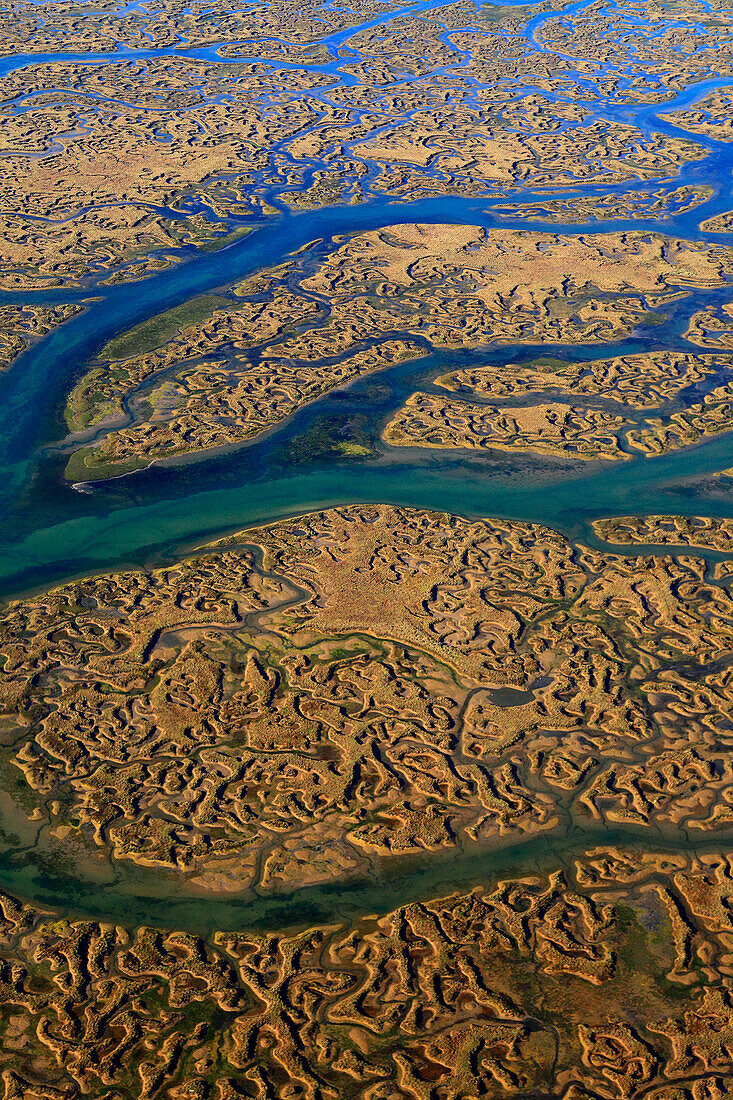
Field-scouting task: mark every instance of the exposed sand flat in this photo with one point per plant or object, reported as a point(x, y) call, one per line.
point(386, 682)
point(202, 390)
point(642, 381)
point(699, 531)
point(550, 429)
point(601, 152)
point(721, 223)
point(690, 40)
point(506, 262)
point(449, 286)
point(619, 928)
point(21, 325)
point(660, 205)
point(711, 416)
point(360, 714)
point(710, 117)
point(442, 809)
point(712, 327)
point(57, 26)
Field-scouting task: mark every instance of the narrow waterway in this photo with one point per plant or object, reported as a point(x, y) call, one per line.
point(52, 531)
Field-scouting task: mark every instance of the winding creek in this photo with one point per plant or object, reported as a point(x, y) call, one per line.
point(51, 531)
point(136, 896)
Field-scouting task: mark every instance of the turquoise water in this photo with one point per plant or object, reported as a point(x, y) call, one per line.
point(136, 896)
point(51, 531)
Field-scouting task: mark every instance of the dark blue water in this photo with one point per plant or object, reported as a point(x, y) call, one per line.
point(51, 531)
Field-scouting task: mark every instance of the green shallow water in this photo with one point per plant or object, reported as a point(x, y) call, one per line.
point(145, 897)
point(145, 532)
point(51, 532)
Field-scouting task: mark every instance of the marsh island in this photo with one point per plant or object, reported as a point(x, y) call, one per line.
point(366, 432)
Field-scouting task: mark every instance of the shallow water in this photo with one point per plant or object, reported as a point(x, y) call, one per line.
point(136, 896)
point(53, 531)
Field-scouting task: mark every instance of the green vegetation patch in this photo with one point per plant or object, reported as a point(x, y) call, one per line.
point(331, 438)
point(151, 334)
point(83, 408)
point(82, 466)
point(224, 242)
point(548, 363)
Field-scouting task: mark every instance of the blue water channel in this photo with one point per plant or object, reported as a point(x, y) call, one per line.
point(52, 530)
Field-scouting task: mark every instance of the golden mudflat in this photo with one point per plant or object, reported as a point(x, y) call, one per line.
point(224, 368)
point(23, 325)
point(711, 116)
point(221, 370)
point(698, 531)
point(661, 205)
point(656, 385)
point(425, 807)
point(643, 381)
point(427, 420)
point(102, 160)
point(611, 979)
point(299, 701)
point(308, 699)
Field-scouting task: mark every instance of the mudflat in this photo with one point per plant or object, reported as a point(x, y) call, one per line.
point(366, 437)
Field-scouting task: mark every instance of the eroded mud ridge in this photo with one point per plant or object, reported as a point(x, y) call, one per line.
point(365, 683)
point(380, 802)
point(221, 370)
point(298, 703)
point(611, 981)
